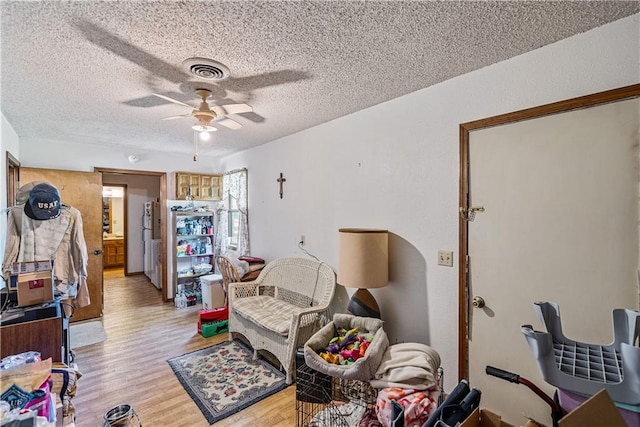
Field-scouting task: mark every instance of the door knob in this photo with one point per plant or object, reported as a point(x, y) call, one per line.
point(478, 302)
point(97, 251)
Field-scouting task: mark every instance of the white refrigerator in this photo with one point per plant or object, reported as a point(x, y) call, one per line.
point(151, 240)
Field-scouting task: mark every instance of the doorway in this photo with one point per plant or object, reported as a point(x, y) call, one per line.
point(141, 187)
point(114, 227)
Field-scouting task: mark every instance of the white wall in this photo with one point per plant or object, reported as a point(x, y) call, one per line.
point(8, 143)
point(38, 153)
point(396, 166)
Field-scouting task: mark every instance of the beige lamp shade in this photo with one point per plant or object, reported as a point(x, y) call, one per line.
point(364, 258)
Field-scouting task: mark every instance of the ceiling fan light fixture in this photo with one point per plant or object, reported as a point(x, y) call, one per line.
point(203, 128)
point(204, 136)
point(205, 68)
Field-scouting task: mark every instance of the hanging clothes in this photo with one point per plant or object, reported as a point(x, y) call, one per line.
point(41, 228)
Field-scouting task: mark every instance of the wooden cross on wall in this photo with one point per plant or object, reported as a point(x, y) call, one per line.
point(281, 181)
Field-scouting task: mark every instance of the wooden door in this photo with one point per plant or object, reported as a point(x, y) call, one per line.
point(83, 191)
point(560, 199)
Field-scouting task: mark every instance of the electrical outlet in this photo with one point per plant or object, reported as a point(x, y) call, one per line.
point(445, 258)
point(301, 241)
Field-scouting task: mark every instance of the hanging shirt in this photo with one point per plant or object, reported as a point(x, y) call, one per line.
point(60, 239)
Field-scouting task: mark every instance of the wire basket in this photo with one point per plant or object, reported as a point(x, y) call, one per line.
point(322, 400)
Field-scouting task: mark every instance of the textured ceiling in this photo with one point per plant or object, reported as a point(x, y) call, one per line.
point(84, 71)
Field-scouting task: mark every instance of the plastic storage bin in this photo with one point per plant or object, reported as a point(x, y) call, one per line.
point(214, 314)
point(214, 328)
point(213, 294)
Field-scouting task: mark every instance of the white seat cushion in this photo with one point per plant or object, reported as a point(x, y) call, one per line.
point(267, 311)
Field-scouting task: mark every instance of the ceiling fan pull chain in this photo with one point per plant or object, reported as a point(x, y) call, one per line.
point(195, 146)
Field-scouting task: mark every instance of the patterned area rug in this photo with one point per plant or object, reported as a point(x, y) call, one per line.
point(223, 379)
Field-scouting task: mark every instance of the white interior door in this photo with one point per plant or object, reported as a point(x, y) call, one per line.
point(560, 224)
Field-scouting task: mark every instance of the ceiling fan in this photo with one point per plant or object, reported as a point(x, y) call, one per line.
point(206, 113)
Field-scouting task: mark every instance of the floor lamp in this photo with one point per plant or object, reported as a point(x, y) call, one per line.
point(364, 264)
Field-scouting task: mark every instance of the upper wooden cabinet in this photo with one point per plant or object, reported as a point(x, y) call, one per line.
point(201, 187)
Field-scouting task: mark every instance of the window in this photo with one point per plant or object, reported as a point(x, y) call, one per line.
point(233, 226)
point(233, 222)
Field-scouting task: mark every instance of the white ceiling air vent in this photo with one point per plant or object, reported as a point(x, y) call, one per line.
point(206, 69)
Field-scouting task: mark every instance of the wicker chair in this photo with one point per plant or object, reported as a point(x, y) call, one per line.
point(281, 309)
point(229, 274)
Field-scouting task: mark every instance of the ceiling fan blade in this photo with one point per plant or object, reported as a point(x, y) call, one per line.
point(231, 124)
point(177, 117)
point(223, 110)
point(238, 108)
point(175, 101)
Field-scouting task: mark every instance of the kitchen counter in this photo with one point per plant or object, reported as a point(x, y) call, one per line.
point(113, 238)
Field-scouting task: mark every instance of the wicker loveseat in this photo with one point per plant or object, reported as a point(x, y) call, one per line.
point(282, 308)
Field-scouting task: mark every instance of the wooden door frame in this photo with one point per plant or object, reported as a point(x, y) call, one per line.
point(163, 215)
point(124, 220)
point(587, 101)
point(13, 178)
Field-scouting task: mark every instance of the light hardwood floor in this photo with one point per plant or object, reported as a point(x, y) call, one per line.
point(131, 367)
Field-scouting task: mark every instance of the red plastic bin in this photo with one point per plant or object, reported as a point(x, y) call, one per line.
point(214, 314)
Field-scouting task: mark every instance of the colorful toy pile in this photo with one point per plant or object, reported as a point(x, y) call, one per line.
point(347, 347)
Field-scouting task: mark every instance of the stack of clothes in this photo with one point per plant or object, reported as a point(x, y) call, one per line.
point(32, 388)
point(408, 376)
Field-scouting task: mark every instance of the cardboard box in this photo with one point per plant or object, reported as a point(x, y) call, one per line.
point(35, 283)
point(570, 401)
point(484, 418)
point(26, 267)
point(598, 410)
